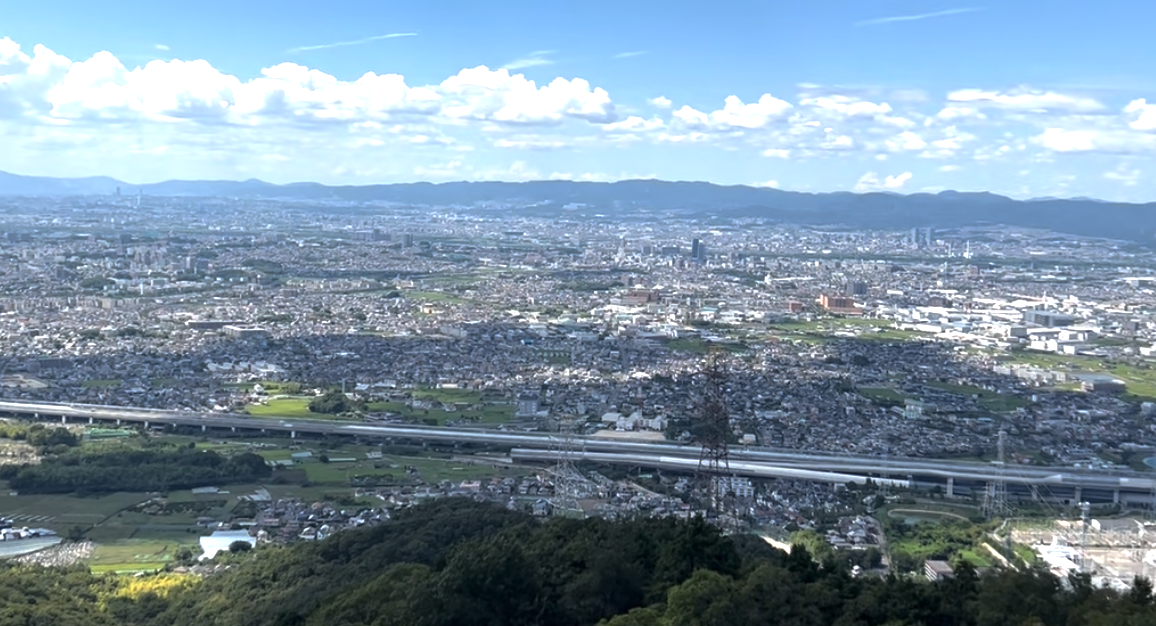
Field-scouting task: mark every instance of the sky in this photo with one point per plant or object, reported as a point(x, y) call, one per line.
point(1028, 98)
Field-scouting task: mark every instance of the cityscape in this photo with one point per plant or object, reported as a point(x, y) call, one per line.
point(994, 357)
point(598, 314)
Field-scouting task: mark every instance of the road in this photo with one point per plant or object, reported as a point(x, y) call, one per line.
point(743, 460)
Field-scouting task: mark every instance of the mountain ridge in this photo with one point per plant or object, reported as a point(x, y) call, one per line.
point(871, 210)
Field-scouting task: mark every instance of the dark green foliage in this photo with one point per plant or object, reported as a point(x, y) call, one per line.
point(39, 435)
point(334, 402)
point(158, 468)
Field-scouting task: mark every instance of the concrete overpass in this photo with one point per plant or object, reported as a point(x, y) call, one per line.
point(1056, 482)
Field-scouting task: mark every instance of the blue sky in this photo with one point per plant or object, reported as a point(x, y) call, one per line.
point(1025, 98)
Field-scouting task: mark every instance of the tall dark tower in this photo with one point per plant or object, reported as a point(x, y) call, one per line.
point(711, 429)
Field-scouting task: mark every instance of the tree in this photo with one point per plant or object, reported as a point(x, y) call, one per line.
point(240, 546)
point(332, 402)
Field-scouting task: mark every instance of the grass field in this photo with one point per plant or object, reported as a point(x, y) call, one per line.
point(1141, 380)
point(133, 556)
point(284, 407)
point(298, 408)
point(61, 512)
point(431, 469)
point(1000, 403)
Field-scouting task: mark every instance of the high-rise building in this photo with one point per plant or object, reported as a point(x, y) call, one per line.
point(922, 237)
point(698, 251)
point(408, 240)
point(856, 288)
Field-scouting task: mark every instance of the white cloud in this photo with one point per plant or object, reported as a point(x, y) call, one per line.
point(905, 141)
point(1142, 114)
point(949, 168)
point(530, 144)
point(952, 142)
point(632, 54)
point(777, 153)
point(845, 106)
point(735, 115)
point(162, 47)
point(953, 113)
point(635, 124)
point(483, 94)
point(1061, 140)
point(1130, 177)
point(772, 184)
point(661, 102)
point(343, 44)
point(917, 16)
point(838, 142)
point(534, 59)
point(871, 182)
point(1027, 100)
point(50, 89)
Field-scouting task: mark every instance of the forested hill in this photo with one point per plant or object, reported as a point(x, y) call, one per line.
point(634, 198)
point(458, 563)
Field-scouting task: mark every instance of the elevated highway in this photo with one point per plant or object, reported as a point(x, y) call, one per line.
point(1057, 482)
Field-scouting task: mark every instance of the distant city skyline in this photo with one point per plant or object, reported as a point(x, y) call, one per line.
point(1030, 99)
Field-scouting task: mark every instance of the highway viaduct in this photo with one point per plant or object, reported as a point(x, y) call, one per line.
point(956, 478)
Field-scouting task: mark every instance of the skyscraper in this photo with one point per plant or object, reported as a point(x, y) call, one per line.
point(697, 251)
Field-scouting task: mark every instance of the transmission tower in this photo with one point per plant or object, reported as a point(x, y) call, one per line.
point(712, 431)
point(568, 481)
point(995, 493)
point(1086, 519)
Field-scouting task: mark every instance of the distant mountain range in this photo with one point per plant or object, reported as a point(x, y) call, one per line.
point(633, 198)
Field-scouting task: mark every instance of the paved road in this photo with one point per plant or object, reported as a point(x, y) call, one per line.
point(748, 461)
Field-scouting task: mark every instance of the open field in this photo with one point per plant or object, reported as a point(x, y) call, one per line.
point(61, 512)
point(134, 556)
point(989, 400)
point(285, 407)
point(298, 408)
point(1140, 379)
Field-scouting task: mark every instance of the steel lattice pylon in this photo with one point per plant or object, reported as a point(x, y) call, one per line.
point(712, 431)
point(568, 481)
point(995, 492)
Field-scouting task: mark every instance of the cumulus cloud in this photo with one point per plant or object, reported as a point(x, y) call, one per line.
point(635, 124)
point(906, 141)
point(871, 182)
point(481, 93)
point(1142, 116)
point(734, 115)
point(50, 88)
point(661, 102)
